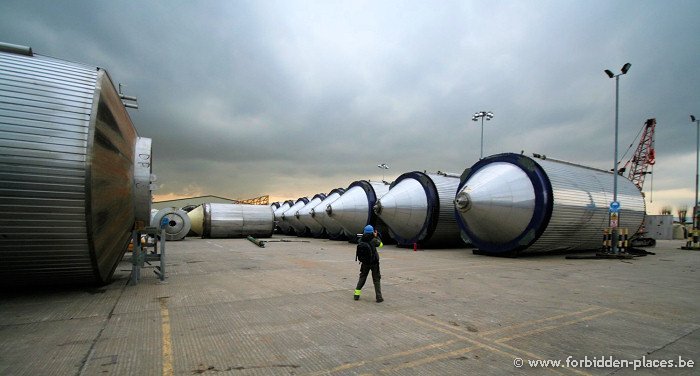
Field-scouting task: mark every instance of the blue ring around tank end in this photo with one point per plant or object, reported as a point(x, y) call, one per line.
point(543, 205)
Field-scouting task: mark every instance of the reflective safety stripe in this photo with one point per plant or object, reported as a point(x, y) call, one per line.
point(381, 244)
point(357, 292)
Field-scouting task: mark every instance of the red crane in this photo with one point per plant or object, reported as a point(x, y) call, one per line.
point(644, 157)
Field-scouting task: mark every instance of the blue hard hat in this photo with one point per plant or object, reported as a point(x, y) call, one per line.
point(368, 229)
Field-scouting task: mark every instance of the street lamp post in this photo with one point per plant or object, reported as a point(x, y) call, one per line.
point(697, 166)
point(384, 167)
point(614, 216)
point(482, 114)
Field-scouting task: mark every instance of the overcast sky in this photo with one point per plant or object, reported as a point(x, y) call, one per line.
point(292, 98)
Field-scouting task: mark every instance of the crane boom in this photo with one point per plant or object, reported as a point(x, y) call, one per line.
point(644, 156)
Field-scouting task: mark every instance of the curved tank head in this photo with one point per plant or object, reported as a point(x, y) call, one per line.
point(498, 202)
point(290, 217)
point(419, 208)
point(306, 213)
point(177, 221)
point(404, 209)
point(353, 209)
point(332, 228)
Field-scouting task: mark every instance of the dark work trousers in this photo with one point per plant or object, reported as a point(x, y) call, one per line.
point(376, 276)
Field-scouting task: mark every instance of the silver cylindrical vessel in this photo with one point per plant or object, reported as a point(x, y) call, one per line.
point(332, 228)
point(178, 223)
point(67, 148)
point(290, 217)
point(233, 220)
point(419, 209)
point(305, 216)
point(353, 209)
point(283, 225)
point(511, 204)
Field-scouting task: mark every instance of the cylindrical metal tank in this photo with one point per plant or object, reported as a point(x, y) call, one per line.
point(143, 179)
point(353, 209)
point(284, 226)
point(67, 148)
point(179, 223)
point(333, 229)
point(290, 217)
point(305, 216)
point(419, 208)
point(232, 220)
point(511, 204)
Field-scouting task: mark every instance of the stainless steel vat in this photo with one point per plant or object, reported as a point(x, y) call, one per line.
point(333, 229)
point(233, 220)
point(419, 209)
point(67, 148)
point(290, 217)
point(284, 226)
point(179, 223)
point(305, 216)
point(511, 204)
point(353, 209)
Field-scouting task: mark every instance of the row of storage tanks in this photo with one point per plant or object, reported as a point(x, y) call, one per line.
point(75, 178)
point(505, 204)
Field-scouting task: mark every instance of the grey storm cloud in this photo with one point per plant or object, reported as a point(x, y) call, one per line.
point(290, 98)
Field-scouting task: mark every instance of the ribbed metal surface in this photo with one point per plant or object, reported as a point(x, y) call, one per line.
point(333, 229)
point(237, 221)
point(290, 217)
point(179, 223)
point(305, 216)
point(511, 204)
point(582, 197)
point(143, 168)
point(284, 226)
point(66, 172)
point(445, 231)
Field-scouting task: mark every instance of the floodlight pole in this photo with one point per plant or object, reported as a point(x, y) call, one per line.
point(482, 114)
point(625, 68)
point(384, 167)
point(697, 167)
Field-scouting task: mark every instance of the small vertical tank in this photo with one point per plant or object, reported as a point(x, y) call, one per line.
point(353, 210)
point(333, 229)
point(419, 209)
point(290, 217)
point(305, 216)
point(510, 204)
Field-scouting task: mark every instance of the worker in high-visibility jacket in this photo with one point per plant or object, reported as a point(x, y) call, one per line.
point(369, 241)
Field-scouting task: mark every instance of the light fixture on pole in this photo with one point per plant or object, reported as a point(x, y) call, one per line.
point(697, 166)
point(615, 205)
point(482, 114)
point(384, 167)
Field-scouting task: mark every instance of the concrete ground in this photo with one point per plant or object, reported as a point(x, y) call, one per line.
point(229, 307)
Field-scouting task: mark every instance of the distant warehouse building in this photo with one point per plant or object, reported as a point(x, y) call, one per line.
point(199, 200)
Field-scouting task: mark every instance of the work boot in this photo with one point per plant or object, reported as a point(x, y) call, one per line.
point(357, 294)
point(378, 291)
